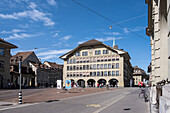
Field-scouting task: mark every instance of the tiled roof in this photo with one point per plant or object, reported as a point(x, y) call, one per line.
point(23, 54)
point(9, 44)
point(54, 65)
point(91, 43)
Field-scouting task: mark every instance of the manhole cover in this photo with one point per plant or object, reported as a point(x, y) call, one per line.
point(6, 104)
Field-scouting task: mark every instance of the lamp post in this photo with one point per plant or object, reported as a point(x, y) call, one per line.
point(20, 91)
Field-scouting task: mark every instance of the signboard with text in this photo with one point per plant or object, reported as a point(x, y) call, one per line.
point(58, 84)
point(68, 84)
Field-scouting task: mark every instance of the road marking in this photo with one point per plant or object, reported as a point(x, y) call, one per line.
point(23, 105)
point(101, 109)
point(93, 105)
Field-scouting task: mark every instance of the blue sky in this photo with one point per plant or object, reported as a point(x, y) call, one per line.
point(56, 26)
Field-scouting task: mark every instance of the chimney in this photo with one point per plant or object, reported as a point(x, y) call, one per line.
point(115, 47)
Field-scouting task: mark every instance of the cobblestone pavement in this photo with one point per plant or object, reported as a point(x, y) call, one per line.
point(46, 94)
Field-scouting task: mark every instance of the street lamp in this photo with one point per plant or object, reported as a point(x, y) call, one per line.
point(20, 91)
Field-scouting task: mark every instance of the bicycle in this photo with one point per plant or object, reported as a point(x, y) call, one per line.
point(143, 96)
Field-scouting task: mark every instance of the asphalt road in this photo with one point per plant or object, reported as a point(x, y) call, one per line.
point(123, 100)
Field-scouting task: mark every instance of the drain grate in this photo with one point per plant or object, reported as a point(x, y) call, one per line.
point(51, 101)
point(6, 105)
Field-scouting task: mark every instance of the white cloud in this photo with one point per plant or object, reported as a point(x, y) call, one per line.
point(66, 37)
point(55, 35)
point(126, 30)
point(112, 33)
point(54, 52)
point(20, 36)
point(12, 31)
point(33, 14)
point(52, 2)
point(49, 57)
point(32, 5)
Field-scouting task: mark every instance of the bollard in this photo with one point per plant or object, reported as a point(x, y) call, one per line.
point(20, 97)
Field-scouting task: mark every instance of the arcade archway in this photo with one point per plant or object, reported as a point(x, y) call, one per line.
point(102, 82)
point(81, 83)
point(113, 82)
point(91, 83)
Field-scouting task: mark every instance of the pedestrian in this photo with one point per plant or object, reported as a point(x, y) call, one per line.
point(98, 85)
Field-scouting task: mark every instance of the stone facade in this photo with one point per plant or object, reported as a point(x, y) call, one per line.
point(5, 55)
point(47, 74)
point(93, 63)
point(139, 75)
point(28, 77)
point(159, 31)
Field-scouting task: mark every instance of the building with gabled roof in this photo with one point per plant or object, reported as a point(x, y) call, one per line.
point(93, 62)
point(5, 55)
point(28, 76)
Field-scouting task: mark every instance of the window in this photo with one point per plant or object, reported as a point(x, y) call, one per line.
point(99, 52)
point(67, 75)
point(96, 52)
point(90, 73)
point(84, 67)
point(105, 66)
point(94, 66)
point(80, 67)
point(117, 59)
point(74, 67)
point(86, 53)
point(77, 60)
point(109, 66)
point(71, 61)
point(107, 51)
point(113, 59)
point(98, 66)
point(117, 65)
point(74, 60)
point(70, 67)
point(74, 75)
point(87, 66)
point(117, 73)
point(113, 73)
point(67, 67)
point(91, 66)
point(98, 73)
point(105, 73)
point(94, 73)
point(77, 75)
point(67, 61)
point(113, 66)
point(101, 73)
point(80, 75)
point(78, 54)
point(77, 67)
point(1, 51)
point(104, 51)
point(109, 73)
point(101, 66)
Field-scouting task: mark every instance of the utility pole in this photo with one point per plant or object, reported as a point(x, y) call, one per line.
point(20, 91)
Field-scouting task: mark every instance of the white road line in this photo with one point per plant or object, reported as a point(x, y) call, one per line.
point(101, 109)
point(23, 105)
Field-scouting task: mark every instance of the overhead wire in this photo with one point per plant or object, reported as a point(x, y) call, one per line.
point(108, 19)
